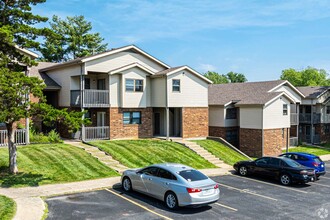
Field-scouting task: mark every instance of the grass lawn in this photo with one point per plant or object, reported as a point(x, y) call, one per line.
point(51, 163)
point(309, 149)
point(140, 153)
point(7, 208)
point(221, 151)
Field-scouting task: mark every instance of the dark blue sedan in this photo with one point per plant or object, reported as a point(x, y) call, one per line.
point(308, 160)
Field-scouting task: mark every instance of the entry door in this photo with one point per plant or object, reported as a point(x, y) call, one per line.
point(100, 117)
point(157, 123)
point(101, 84)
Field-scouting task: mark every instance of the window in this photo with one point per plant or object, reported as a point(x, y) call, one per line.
point(231, 135)
point(165, 174)
point(192, 175)
point(328, 110)
point(262, 161)
point(176, 85)
point(285, 109)
point(88, 114)
point(326, 129)
point(151, 171)
point(231, 113)
point(134, 85)
point(132, 117)
point(274, 162)
point(87, 83)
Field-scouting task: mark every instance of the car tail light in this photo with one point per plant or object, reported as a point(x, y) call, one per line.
point(216, 186)
point(193, 190)
point(315, 164)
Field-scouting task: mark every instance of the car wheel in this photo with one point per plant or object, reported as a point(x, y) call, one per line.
point(127, 184)
point(243, 171)
point(285, 179)
point(171, 201)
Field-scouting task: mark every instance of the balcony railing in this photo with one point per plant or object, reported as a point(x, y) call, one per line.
point(307, 118)
point(308, 139)
point(293, 141)
point(326, 118)
point(20, 135)
point(92, 98)
point(95, 133)
point(294, 118)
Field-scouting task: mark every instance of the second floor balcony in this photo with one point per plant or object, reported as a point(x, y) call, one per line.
point(309, 118)
point(294, 119)
point(92, 98)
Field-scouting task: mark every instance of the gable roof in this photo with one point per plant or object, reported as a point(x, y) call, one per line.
point(130, 66)
point(106, 53)
point(313, 92)
point(50, 83)
point(27, 52)
point(172, 70)
point(248, 93)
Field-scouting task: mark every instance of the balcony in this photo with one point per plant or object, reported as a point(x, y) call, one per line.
point(307, 118)
point(95, 133)
point(293, 118)
point(293, 141)
point(92, 98)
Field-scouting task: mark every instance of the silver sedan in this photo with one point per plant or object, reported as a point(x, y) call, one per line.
point(175, 184)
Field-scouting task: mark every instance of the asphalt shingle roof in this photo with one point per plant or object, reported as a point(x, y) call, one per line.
point(50, 83)
point(164, 72)
point(243, 93)
point(313, 92)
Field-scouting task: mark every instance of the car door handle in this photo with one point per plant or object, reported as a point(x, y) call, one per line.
point(150, 178)
point(167, 183)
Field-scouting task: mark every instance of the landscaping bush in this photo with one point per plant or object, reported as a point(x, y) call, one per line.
point(51, 137)
point(54, 137)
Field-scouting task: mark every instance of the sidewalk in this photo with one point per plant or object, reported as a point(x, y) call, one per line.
point(30, 205)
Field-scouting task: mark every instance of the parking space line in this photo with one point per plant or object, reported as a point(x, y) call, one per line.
point(271, 184)
point(318, 184)
point(324, 177)
point(137, 204)
point(247, 191)
point(227, 207)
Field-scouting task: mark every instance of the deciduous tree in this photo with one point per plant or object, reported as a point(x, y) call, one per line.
point(306, 77)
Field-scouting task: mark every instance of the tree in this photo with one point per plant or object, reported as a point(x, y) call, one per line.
point(306, 77)
point(230, 77)
point(236, 77)
point(71, 38)
point(216, 78)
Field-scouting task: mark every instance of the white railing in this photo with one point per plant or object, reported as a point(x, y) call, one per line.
point(294, 118)
point(293, 141)
point(95, 133)
point(92, 98)
point(20, 135)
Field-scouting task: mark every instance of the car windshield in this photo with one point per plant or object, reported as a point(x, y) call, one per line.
point(192, 175)
point(292, 163)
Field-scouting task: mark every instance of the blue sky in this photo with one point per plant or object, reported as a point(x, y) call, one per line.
point(257, 38)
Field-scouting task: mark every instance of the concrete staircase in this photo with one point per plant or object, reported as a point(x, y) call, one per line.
point(100, 155)
point(204, 153)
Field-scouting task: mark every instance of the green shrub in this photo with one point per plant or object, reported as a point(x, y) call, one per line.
point(54, 137)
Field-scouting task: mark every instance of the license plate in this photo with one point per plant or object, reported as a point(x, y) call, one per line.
point(208, 192)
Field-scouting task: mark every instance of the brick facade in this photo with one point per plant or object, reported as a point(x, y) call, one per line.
point(324, 131)
point(251, 141)
point(195, 122)
point(217, 131)
point(275, 140)
point(119, 130)
point(222, 132)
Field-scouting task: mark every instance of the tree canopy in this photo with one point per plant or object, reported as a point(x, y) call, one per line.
point(306, 77)
point(71, 38)
point(230, 77)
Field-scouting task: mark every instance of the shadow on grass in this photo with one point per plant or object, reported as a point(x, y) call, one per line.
point(21, 179)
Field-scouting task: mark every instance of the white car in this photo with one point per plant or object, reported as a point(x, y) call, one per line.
point(175, 184)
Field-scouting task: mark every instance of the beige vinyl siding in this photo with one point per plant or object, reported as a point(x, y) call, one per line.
point(64, 77)
point(250, 117)
point(290, 92)
point(193, 90)
point(115, 91)
point(135, 99)
point(216, 116)
point(158, 92)
point(273, 114)
point(118, 60)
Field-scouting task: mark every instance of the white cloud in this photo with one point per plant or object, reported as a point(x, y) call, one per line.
point(203, 67)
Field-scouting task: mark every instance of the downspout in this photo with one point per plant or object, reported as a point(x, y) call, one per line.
point(312, 122)
point(27, 119)
point(167, 111)
point(262, 131)
point(82, 86)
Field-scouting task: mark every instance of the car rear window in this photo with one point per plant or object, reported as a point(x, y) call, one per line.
point(291, 163)
point(192, 175)
point(317, 160)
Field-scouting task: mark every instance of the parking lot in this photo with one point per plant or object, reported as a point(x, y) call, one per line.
point(241, 198)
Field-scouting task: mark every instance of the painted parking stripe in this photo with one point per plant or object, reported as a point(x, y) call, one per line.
point(247, 191)
point(227, 207)
point(324, 177)
point(318, 184)
point(271, 184)
point(137, 204)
